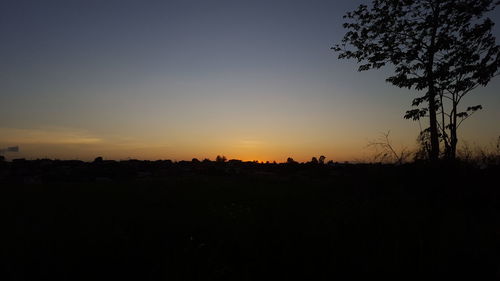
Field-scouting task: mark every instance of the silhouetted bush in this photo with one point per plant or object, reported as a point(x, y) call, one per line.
point(220, 159)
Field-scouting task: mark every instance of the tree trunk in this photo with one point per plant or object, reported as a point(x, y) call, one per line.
point(444, 135)
point(431, 52)
point(434, 153)
point(454, 142)
point(453, 133)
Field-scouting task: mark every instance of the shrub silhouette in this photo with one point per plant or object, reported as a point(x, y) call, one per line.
point(220, 159)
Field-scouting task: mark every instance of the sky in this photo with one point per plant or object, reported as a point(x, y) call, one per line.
point(146, 79)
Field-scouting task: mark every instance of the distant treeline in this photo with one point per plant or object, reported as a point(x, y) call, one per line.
point(100, 170)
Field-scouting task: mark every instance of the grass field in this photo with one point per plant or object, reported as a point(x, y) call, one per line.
point(409, 223)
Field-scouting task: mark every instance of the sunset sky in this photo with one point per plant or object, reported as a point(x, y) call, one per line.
point(253, 80)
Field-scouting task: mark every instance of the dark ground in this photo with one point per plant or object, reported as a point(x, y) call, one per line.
point(70, 220)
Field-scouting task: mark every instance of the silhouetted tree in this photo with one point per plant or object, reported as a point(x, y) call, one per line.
point(220, 159)
point(195, 160)
point(314, 160)
point(290, 161)
point(444, 47)
point(98, 160)
point(322, 159)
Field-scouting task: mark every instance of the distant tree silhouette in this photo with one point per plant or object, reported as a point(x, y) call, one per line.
point(290, 161)
point(220, 159)
point(322, 159)
point(98, 159)
point(195, 160)
point(314, 160)
point(444, 47)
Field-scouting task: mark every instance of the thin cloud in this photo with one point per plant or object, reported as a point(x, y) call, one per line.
point(47, 136)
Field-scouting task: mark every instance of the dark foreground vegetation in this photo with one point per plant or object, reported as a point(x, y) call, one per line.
point(72, 220)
